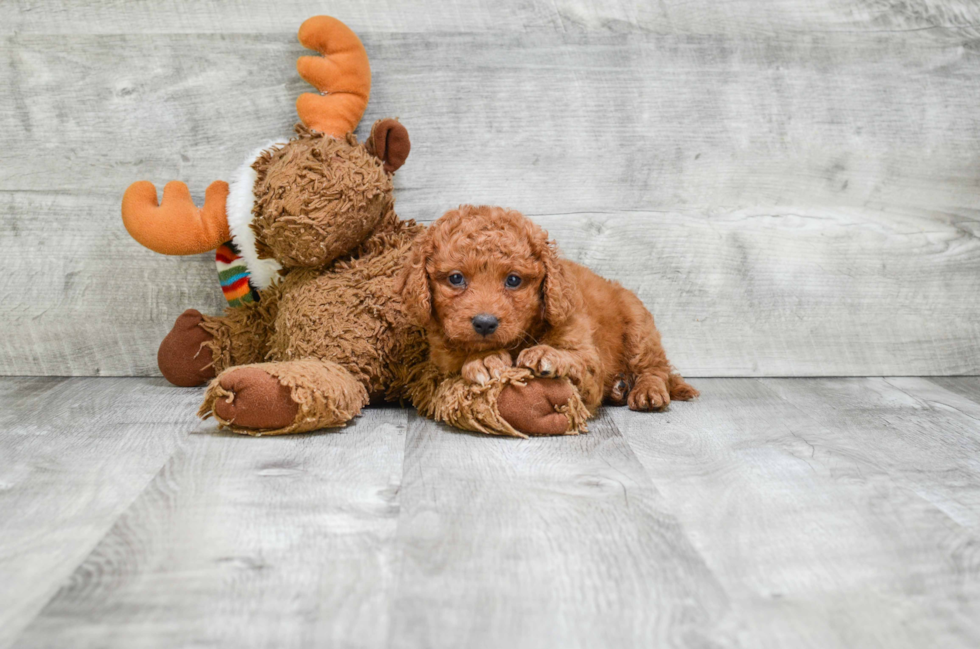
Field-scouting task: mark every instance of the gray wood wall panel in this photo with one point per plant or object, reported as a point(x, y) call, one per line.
point(822, 293)
point(941, 17)
point(82, 298)
point(791, 187)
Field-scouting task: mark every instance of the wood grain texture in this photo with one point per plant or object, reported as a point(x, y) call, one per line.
point(736, 294)
point(769, 513)
point(791, 187)
point(965, 386)
point(536, 544)
point(833, 293)
point(943, 18)
point(74, 454)
point(842, 511)
point(272, 542)
point(551, 123)
point(103, 303)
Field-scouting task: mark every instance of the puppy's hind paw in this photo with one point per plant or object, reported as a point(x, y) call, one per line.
point(681, 390)
point(620, 390)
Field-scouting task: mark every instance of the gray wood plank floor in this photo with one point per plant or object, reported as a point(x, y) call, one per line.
point(770, 513)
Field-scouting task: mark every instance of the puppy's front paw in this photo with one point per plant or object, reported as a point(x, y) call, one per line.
point(480, 369)
point(544, 360)
point(649, 393)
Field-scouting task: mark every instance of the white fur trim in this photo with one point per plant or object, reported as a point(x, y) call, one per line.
point(239, 209)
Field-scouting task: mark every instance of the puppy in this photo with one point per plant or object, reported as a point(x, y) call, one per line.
point(491, 290)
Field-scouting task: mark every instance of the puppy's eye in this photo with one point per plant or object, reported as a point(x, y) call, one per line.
point(513, 281)
point(456, 279)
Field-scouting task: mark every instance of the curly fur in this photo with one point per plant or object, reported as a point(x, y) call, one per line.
point(562, 320)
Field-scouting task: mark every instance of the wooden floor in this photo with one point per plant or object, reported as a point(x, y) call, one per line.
point(771, 513)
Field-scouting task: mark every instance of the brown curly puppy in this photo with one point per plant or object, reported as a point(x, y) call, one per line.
point(489, 287)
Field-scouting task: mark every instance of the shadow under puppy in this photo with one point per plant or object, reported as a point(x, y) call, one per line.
point(491, 291)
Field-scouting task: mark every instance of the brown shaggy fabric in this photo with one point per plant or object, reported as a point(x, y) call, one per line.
point(460, 403)
point(352, 314)
point(317, 198)
point(241, 336)
point(324, 394)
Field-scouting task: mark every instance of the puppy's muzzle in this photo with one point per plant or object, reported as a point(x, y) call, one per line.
point(485, 324)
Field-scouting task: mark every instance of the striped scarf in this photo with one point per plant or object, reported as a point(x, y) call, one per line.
point(234, 276)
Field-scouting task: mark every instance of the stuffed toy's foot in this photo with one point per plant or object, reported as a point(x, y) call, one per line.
point(184, 357)
point(515, 404)
point(286, 397)
point(254, 399)
point(535, 407)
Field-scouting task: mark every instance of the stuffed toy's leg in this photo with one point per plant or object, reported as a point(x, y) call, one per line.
point(199, 347)
point(287, 397)
point(184, 356)
point(515, 404)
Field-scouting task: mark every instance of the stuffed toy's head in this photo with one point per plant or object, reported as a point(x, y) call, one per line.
point(318, 197)
point(302, 203)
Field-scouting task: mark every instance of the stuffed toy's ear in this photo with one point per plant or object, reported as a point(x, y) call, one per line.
point(389, 142)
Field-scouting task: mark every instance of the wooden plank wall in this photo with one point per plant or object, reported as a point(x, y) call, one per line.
point(792, 186)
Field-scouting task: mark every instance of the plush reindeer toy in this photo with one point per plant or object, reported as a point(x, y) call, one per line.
point(309, 250)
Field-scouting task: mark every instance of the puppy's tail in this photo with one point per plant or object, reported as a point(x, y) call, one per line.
point(680, 390)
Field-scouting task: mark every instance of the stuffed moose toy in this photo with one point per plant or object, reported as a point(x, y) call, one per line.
point(310, 254)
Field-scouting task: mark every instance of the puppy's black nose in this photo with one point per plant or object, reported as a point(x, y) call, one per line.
point(485, 324)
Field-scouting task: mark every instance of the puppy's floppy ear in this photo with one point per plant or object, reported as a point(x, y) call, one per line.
point(413, 284)
point(556, 289)
point(389, 142)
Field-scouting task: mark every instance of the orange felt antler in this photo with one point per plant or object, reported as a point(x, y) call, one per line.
point(342, 75)
point(176, 226)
